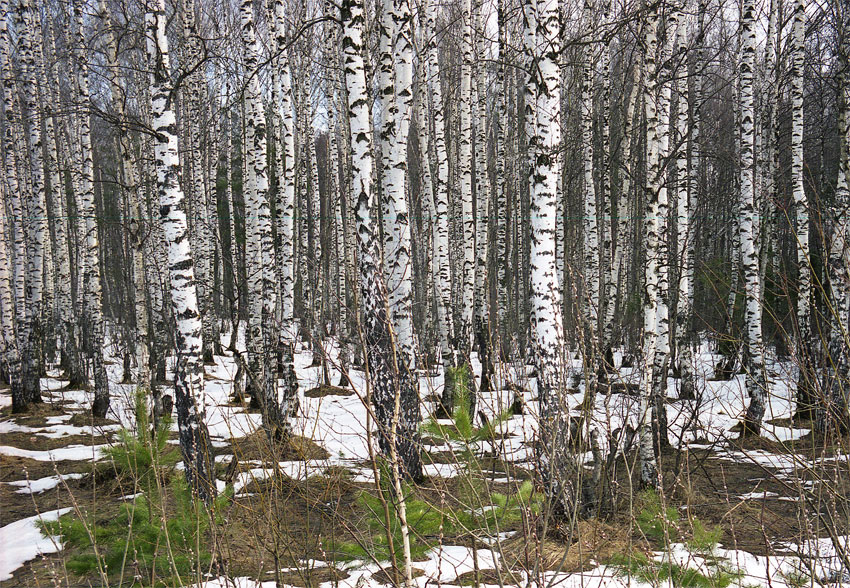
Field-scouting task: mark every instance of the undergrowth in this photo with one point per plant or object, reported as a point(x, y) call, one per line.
point(161, 536)
point(462, 428)
point(663, 526)
point(427, 522)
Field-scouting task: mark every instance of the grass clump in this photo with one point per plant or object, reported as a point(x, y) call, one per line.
point(426, 521)
point(662, 525)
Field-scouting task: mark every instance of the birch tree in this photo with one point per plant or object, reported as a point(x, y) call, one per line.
point(590, 303)
point(394, 397)
point(260, 248)
point(442, 262)
point(833, 415)
point(467, 214)
point(189, 390)
point(652, 229)
point(805, 390)
point(22, 334)
point(755, 374)
point(482, 204)
point(397, 99)
point(286, 216)
point(137, 227)
point(87, 210)
point(557, 468)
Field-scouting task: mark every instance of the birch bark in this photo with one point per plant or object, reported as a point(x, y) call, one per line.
point(756, 379)
point(393, 394)
point(188, 370)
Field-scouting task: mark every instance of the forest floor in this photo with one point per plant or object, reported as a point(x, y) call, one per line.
point(768, 511)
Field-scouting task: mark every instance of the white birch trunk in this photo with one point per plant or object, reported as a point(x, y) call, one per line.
point(261, 275)
point(397, 246)
point(388, 378)
point(547, 331)
point(684, 232)
point(87, 209)
point(756, 380)
point(130, 183)
point(20, 396)
point(189, 370)
point(805, 385)
point(467, 214)
point(482, 205)
point(590, 303)
point(652, 230)
point(442, 261)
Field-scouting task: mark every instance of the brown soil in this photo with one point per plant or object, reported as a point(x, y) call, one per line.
point(487, 576)
point(35, 442)
point(86, 419)
point(486, 465)
point(386, 575)
point(792, 423)
point(593, 541)
point(326, 390)
point(36, 415)
point(19, 506)
point(258, 446)
point(19, 468)
point(312, 578)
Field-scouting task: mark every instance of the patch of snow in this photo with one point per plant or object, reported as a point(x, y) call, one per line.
point(71, 452)
point(42, 484)
point(23, 541)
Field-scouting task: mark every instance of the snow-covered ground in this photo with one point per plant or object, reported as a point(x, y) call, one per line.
point(337, 423)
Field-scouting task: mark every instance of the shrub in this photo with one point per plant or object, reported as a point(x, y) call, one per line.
point(160, 544)
point(462, 428)
point(655, 522)
point(652, 572)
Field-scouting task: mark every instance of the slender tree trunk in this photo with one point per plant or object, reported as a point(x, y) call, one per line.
point(805, 380)
point(557, 468)
point(189, 368)
point(138, 232)
point(756, 380)
point(467, 214)
point(397, 99)
point(388, 377)
point(590, 302)
point(482, 206)
point(287, 336)
point(687, 171)
point(652, 235)
point(501, 188)
point(21, 336)
point(442, 261)
point(35, 220)
point(262, 312)
point(85, 200)
point(833, 416)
